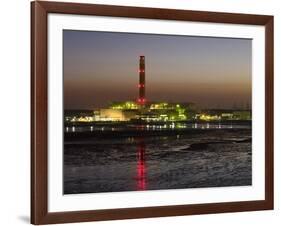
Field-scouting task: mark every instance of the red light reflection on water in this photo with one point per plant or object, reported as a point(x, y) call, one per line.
point(141, 171)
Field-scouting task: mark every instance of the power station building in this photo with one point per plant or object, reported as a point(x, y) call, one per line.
point(141, 109)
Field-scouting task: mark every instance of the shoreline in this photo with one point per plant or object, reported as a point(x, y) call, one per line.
point(143, 123)
point(69, 136)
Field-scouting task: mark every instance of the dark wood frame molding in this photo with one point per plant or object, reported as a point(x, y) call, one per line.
point(39, 106)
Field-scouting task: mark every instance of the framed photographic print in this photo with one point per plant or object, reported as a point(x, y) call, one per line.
point(145, 112)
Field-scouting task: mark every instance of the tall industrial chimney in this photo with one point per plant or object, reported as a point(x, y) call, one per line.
point(141, 99)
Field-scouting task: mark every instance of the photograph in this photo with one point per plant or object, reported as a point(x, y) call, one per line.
point(147, 112)
point(155, 112)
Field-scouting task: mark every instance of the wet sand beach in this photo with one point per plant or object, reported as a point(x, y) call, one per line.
point(182, 159)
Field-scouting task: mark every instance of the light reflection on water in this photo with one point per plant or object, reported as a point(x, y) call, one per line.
point(141, 170)
point(163, 127)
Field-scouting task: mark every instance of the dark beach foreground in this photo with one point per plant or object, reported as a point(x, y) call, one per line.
point(151, 160)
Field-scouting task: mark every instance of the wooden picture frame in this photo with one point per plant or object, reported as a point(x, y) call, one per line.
point(39, 109)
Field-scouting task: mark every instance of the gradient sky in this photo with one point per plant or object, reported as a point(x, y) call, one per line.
point(100, 67)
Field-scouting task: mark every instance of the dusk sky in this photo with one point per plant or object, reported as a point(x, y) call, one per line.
point(100, 67)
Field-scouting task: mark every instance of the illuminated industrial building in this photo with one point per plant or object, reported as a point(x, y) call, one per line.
point(142, 110)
